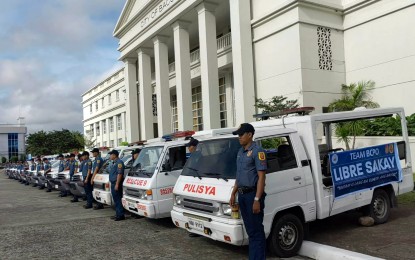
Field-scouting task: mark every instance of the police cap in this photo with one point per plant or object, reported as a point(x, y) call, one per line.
point(192, 142)
point(95, 150)
point(244, 128)
point(115, 152)
point(136, 151)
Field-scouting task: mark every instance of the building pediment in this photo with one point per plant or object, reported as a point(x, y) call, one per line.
point(130, 10)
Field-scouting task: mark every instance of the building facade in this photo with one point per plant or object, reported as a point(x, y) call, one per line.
point(104, 111)
point(194, 64)
point(12, 141)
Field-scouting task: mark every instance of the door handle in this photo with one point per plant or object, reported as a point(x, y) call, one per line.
point(297, 178)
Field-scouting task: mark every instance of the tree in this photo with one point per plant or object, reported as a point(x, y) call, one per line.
point(3, 160)
point(14, 159)
point(124, 144)
point(41, 143)
point(353, 96)
point(276, 103)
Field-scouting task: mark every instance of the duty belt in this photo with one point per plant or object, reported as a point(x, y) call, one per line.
point(245, 189)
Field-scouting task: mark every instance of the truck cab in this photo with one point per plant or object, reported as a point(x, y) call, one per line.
point(43, 180)
point(299, 184)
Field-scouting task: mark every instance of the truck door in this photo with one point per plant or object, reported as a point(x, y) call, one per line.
point(170, 170)
point(286, 178)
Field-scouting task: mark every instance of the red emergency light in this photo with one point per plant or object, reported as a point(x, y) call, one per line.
point(178, 134)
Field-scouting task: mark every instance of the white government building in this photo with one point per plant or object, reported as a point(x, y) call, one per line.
point(193, 64)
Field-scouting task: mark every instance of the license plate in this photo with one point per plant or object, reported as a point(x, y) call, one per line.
point(196, 225)
point(131, 205)
point(37, 181)
point(56, 186)
point(46, 185)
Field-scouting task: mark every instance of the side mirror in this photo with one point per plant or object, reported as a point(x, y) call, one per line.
point(166, 167)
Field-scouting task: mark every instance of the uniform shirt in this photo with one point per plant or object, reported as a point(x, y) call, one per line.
point(47, 166)
point(72, 167)
point(248, 163)
point(38, 167)
point(61, 166)
point(67, 163)
point(32, 167)
point(116, 168)
point(97, 163)
point(87, 165)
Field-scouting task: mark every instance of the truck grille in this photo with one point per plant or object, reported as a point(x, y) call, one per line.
point(132, 192)
point(77, 178)
point(100, 186)
point(200, 205)
point(61, 176)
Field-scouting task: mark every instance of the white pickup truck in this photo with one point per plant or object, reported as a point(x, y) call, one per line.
point(306, 180)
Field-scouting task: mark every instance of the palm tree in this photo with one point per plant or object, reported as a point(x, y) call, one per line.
point(353, 96)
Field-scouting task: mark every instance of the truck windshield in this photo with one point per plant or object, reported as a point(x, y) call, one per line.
point(213, 159)
point(146, 163)
point(105, 167)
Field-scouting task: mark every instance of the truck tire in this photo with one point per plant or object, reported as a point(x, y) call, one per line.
point(286, 236)
point(379, 207)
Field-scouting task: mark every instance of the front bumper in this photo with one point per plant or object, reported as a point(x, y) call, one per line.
point(77, 188)
point(103, 196)
point(216, 228)
point(139, 207)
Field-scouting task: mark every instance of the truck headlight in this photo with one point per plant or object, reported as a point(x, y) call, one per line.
point(177, 200)
point(226, 209)
point(142, 195)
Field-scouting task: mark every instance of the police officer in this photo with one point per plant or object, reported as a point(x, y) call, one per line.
point(135, 154)
point(191, 146)
point(116, 179)
point(86, 175)
point(73, 166)
point(96, 167)
point(250, 183)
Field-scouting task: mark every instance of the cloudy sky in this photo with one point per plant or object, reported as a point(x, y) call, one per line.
point(51, 51)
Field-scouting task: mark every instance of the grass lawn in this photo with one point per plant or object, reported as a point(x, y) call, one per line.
point(407, 198)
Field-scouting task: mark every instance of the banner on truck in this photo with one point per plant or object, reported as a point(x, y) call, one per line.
point(364, 168)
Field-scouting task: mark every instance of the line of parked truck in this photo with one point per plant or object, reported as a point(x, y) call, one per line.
point(194, 190)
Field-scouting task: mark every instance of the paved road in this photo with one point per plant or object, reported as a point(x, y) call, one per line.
point(39, 225)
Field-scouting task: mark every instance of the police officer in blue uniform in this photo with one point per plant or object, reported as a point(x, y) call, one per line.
point(116, 179)
point(250, 183)
point(73, 166)
point(96, 167)
point(86, 175)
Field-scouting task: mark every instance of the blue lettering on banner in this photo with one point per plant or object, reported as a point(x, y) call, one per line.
point(364, 168)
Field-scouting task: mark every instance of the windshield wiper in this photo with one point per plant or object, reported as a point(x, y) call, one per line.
point(195, 170)
point(216, 174)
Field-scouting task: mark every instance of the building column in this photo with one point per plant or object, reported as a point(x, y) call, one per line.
point(145, 96)
point(114, 120)
point(132, 124)
point(108, 137)
point(243, 70)
point(209, 65)
point(161, 59)
point(183, 78)
point(124, 116)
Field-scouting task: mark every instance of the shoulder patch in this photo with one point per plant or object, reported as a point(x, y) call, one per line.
point(97, 161)
point(120, 165)
point(89, 163)
point(261, 156)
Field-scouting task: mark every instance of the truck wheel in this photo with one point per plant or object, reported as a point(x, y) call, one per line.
point(379, 208)
point(286, 236)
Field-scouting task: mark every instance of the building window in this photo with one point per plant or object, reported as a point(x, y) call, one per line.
point(112, 143)
point(197, 109)
point(111, 125)
point(96, 106)
point(119, 122)
point(13, 143)
point(90, 108)
point(117, 95)
point(119, 141)
point(154, 103)
point(102, 103)
point(91, 130)
point(104, 127)
point(105, 144)
point(222, 102)
point(324, 48)
point(97, 129)
point(174, 117)
point(109, 99)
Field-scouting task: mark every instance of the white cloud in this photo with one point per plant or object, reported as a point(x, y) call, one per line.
point(52, 52)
